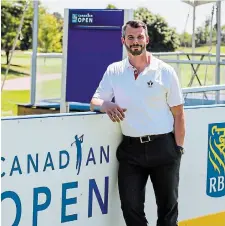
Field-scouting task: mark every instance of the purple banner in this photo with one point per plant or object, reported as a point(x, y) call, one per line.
point(91, 48)
point(96, 18)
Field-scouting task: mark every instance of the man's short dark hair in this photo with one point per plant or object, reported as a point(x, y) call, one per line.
point(134, 24)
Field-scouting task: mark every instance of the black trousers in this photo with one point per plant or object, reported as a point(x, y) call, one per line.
point(158, 159)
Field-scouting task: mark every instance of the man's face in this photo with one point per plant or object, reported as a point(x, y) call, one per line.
point(135, 40)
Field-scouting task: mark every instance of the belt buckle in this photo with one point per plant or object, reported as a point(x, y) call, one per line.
point(145, 141)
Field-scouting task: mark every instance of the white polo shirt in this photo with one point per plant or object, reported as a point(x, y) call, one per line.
point(147, 99)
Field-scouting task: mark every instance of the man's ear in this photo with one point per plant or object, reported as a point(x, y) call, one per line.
point(122, 40)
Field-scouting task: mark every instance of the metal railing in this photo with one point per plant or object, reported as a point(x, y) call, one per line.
point(203, 89)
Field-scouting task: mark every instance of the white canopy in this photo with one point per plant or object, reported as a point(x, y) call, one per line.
point(196, 3)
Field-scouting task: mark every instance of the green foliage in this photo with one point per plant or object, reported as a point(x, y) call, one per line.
point(60, 21)
point(186, 39)
point(110, 6)
point(25, 42)
point(9, 100)
point(50, 33)
point(11, 14)
point(50, 28)
point(203, 33)
point(162, 37)
point(223, 34)
point(58, 16)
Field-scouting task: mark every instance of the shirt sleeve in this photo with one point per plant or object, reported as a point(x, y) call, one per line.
point(105, 89)
point(174, 94)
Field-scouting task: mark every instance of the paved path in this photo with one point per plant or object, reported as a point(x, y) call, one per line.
point(25, 82)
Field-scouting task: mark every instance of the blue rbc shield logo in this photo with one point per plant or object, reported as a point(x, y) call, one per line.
point(74, 18)
point(216, 160)
point(83, 19)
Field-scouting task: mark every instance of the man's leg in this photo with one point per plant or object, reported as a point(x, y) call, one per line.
point(165, 181)
point(132, 181)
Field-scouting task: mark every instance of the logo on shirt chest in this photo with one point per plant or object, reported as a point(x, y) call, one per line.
point(150, 83)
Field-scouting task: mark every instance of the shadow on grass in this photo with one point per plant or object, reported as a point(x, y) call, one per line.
point(15, 65)
point(14, 72)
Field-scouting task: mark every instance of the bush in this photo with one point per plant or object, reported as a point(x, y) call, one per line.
point(162, 37)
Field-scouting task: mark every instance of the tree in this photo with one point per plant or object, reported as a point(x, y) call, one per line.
point(162, 38)
point(11, 14)
point(110, 6)
point(186, 39)
point(202, 33)
point(60, 21)
point(25, 42)
point(200, 36)
point(49, 35)
point(207, 30)
point(57, 15)
point(223, 34)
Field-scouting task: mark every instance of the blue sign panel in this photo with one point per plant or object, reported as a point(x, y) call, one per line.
point(216, 160)
point(94, 42)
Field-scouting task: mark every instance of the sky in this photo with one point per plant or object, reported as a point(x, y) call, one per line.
point(177, 13)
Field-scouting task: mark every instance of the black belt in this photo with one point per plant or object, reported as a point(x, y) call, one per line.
point(145, 139)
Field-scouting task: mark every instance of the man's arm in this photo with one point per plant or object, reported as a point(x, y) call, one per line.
point(115, 113)
point(102, 99)
point(179, 124)
point(96, 104)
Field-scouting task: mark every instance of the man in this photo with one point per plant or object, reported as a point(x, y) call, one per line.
point(149, 106)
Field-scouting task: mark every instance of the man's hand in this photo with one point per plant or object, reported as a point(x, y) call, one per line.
point(179, 124)
point(115, 113)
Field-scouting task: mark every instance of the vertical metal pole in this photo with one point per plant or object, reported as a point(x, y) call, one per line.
point(178, 69)
point(64, 106)
point(193, 30)
point(217, 70)
point(128, 15)
point(34, 53)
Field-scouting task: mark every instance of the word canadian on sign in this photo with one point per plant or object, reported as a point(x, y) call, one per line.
point(74, 159)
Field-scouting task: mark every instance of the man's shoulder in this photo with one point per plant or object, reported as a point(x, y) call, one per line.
point(117, 67)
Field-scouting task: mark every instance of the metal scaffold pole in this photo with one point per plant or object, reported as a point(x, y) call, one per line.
point(34, 54)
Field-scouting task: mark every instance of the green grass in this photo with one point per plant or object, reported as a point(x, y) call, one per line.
point(15, 71)
point(21, 65)
point(49, 65)
point(206, 73)
point(49, 89)
point(11, 98)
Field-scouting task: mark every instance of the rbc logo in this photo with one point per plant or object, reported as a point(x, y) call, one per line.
point(216, 160)
point(74, 18)
point(82, 19)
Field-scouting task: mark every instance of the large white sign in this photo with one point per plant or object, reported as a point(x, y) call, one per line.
point(62, 170)
point(202, 187)
point(59, 170)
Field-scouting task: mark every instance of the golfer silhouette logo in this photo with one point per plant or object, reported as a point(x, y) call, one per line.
point(78, 141)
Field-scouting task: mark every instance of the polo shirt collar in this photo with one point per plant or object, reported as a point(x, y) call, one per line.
point(152, 66)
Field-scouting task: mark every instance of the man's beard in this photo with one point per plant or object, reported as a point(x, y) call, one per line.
point(135, 52)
